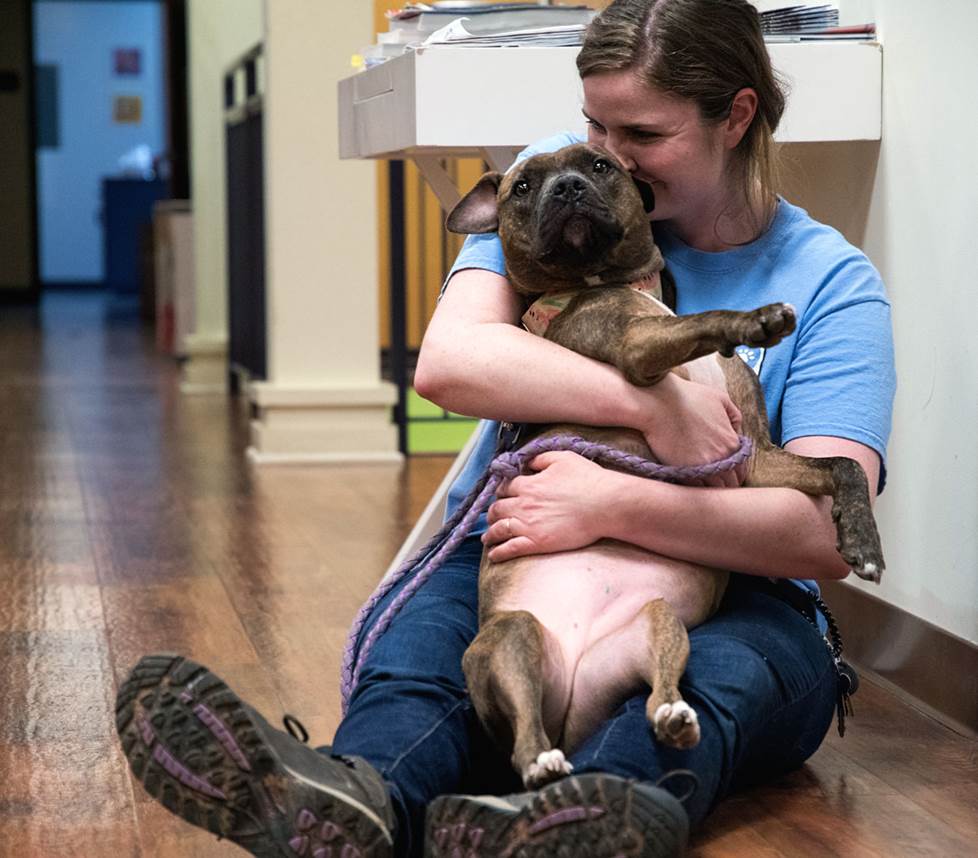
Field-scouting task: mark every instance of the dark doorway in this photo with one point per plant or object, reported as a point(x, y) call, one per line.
point(18, 214)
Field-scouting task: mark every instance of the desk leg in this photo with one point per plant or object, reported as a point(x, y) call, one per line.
point(438, 180)
point(499, 158)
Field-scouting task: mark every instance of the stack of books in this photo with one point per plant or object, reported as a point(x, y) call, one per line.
point(477, 24)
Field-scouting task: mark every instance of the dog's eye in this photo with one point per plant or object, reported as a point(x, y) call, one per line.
point(603, 165)
point(521, 188)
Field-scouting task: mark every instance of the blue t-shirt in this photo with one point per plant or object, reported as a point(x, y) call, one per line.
point(833, 376)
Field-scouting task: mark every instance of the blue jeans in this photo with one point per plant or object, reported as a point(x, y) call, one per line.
point(760, 678)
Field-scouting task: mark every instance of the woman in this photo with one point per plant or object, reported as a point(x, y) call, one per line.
point(682, 92)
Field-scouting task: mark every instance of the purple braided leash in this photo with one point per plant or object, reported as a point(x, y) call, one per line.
point(505, 466)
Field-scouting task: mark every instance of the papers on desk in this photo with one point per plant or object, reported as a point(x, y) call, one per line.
point(806, 17)
point(456, 34)
point(424, 19)
point(422, 25)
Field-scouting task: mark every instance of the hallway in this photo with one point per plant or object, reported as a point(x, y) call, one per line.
point(130, 523)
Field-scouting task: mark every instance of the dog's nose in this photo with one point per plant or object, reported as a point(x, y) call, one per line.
point(569, 187)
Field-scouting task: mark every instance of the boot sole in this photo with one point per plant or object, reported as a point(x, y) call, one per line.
point(195, 748)
point(593, 816)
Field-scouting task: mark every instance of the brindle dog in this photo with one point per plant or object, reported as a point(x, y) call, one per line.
point(564, 638)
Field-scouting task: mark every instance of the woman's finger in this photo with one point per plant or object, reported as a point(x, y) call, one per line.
point(511, 488)
point(734, 415)
point(499, 509)
point(501, 530)
point(519, 546)
point(728, 479)
point(545, 460)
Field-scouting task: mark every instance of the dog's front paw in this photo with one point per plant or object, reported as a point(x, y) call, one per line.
point(764, 327)
point(676, 725)
point(549, 766)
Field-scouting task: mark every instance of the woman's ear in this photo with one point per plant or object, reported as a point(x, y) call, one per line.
point(742, 111)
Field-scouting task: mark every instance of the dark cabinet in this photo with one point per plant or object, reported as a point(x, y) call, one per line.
point(127, 206)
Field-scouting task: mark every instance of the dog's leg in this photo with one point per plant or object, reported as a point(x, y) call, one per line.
point(652, 649)
point(667, 651)
point(655, 344)
point(843, 479)
point(512, 668)
point(616, 326)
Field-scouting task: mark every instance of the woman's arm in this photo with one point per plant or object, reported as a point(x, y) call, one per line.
point(570, 502)
point(476, 360)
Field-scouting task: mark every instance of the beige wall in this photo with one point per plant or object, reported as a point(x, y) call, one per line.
point(219, 31)
point(911, 203)
point(320, 211)
point(323, 399)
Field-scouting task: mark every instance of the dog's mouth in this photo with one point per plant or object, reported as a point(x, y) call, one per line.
point(576, 232)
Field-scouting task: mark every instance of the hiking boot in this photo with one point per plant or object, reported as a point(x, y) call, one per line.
point(591, 816)
point(214, 761)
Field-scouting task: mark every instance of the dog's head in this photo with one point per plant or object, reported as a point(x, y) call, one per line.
point(569, 219)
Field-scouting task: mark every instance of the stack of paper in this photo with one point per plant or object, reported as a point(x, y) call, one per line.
point(456, 34)
point(423, 19)
point(800, 19)
point(485, 24)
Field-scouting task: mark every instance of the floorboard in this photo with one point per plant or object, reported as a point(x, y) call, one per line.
point(130, 523)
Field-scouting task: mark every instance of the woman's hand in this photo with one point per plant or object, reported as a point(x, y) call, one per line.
point(687, 423)
point(563, 505)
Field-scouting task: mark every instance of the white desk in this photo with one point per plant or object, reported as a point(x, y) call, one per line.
point(491, 102)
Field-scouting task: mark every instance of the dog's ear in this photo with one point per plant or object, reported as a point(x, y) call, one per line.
point(477, 211)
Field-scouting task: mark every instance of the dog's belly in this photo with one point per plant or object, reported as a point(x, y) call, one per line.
point(581, 596)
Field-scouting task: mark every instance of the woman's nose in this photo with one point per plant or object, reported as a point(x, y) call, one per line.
point(617, 148)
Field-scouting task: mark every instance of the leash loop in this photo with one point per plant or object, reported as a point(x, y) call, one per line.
point(505, 466)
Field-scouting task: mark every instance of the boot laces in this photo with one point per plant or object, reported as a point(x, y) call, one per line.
point(295, 729)
point(693, 782)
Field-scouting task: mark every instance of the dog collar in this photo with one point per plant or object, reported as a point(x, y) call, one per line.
point(550, 305)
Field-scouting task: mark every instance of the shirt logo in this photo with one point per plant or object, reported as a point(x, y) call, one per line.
point(753, 356)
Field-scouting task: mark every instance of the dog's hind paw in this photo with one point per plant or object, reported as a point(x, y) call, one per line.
point(860, 548)
point(676, 725)
point(548, 766)
point(868, 572)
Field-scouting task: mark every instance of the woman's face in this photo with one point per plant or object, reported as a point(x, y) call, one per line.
point(663, 141)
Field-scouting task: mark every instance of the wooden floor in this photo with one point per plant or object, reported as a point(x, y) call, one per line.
point(129, 523)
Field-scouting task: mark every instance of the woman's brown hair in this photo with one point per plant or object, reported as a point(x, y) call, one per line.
point(702, 50)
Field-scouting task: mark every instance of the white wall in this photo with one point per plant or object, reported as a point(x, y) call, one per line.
point(912, 204)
